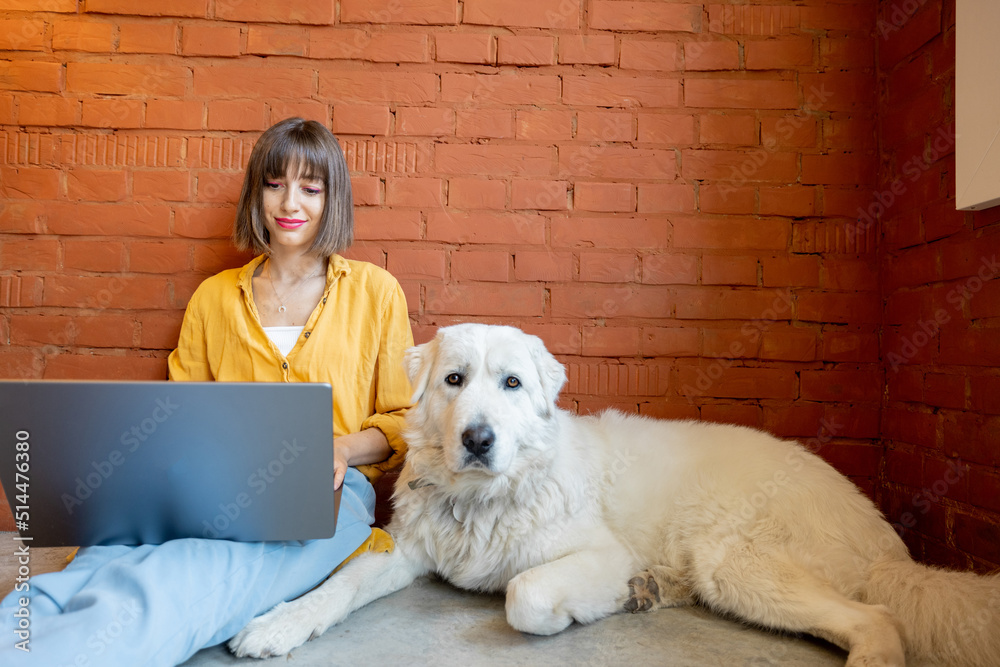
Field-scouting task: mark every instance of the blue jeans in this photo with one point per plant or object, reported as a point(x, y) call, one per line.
point(160, 604)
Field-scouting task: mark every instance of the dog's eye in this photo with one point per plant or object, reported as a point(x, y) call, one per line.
point(454, 379)
point(512, 382)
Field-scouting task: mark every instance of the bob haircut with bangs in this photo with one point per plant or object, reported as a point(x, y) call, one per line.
point(310, 150)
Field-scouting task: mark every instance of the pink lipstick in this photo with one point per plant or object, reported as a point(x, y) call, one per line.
point(289, 223)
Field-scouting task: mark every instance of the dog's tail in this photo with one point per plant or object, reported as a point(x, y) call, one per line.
point(949, 618)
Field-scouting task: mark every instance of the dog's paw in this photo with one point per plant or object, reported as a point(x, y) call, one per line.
point(275, 633)
point(643, 593)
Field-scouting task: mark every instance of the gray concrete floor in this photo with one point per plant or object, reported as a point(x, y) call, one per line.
point(432, 623)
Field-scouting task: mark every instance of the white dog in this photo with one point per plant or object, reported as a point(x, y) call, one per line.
point(577, 518)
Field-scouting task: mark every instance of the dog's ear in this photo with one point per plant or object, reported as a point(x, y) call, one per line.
point(551, 374)
point(418, 362)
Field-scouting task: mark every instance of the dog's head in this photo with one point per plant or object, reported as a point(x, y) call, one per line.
point(483, 394)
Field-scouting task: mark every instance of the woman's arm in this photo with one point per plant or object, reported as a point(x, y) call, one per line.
point(368, 446)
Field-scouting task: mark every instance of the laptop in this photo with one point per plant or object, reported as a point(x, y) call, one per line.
point(93, 462)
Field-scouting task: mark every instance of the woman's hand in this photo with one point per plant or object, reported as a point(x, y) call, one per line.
point(353, 449)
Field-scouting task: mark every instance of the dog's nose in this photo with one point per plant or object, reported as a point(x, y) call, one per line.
point(478, 439)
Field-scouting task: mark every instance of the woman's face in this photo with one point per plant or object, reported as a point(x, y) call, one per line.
point(293, 209)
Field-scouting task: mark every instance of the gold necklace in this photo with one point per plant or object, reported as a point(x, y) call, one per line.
point(281, 302)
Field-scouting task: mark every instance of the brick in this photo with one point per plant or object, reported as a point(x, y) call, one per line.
point(477, 193)
point(30, 183)
point(419, 192)
point(425, 121)
point(159, 256)
point(361, 119)
point(22, 34)
point(546, 266)
point(605, 126)
point(837, 169)
point(420, 264)
point(611, 232)
point(290, 11)
point(500, 88)
point(553, 14)
point(668, 268)
point(490, 160)
point(788, 346)
point(608, 268)
point(202, 222)
point(147, 38)
point(104, 367)
point(526, 50)
point(409, 88)
point(834, 307)
point(730, 233)
point(485, 123)
point(513, 300)
point(48, 111)
point(31, 75)
point(726, 199)
point(742, 415)
point(244, 115)
point(277, 40)
point(366, 190)
point(424, 12)
point(669, 342)
point(70, 35)
point(161, 184)
point(544, 124)
point(122, 79)
point(475, 48)
point(738, 129)
point(648, 55)
point(740, 94)
point(175, 114)
point(387, 224)
point(232, 81)
point(728, 343)
point(845, 91)
point(665, 198)
point(352, 44)
point(670, 129)
point(541, 195)
point(599, 301)
point(781, 53)
point(716, 303)
point(985, 394)
point(604, 197)
point(189, 8)
point(738, 382)
point(652, 16)
point(593, 49)
point(728, 270)
point(308, 109)
point(103, 255)
point(219, 187)
point(482, 265)
point(210, 40)
point(703, 56)
point(977, 536)
point(794, 201)
point(607, 341)
point(787, 271)
point(617, 162)
point(739, 167)
point(30, 255)
point(102, 185)
point(515, 229)
point(120, 293)
point(112, 113)
point(604, 91)
point(159, 330)
point(105, 219)
point(945, 391)
point(796, 130)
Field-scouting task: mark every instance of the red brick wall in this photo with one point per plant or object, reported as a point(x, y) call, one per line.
point(941, 346)
point(666, 192)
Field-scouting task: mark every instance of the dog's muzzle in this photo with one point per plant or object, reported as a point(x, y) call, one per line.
point(478, 440)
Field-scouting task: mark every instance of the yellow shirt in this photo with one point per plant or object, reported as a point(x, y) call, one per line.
point(354, 339)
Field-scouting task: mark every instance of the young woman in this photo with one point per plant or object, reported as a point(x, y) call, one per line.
point(298, 312)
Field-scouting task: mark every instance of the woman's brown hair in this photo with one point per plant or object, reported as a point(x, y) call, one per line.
point(311, 150)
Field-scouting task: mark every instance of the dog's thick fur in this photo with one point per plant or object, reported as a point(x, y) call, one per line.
point(577, 517)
